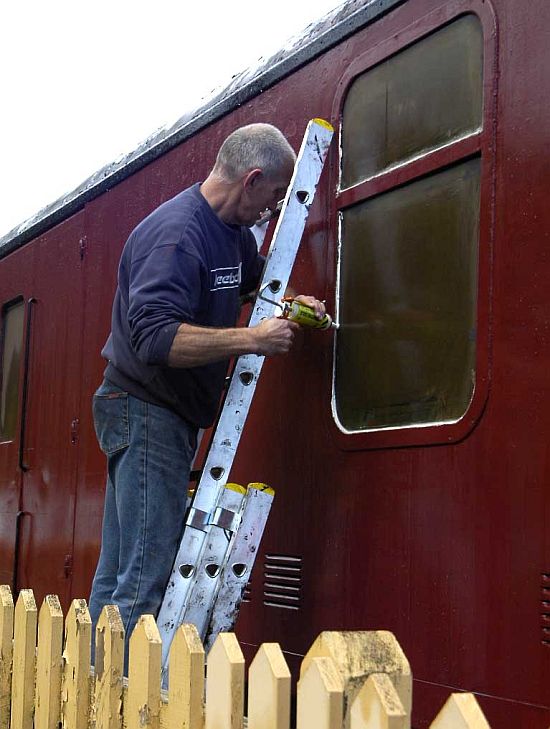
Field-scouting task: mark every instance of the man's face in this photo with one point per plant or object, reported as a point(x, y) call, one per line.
point(261, 193)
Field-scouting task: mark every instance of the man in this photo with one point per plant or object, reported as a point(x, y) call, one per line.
point(181, 274)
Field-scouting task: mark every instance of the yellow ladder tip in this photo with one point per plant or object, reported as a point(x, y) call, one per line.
point(262, 487)
point(235, 487)
point(323, 123)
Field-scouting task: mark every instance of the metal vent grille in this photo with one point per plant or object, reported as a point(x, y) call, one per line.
point(283, 581)
point(247, 592)
point(545, 612)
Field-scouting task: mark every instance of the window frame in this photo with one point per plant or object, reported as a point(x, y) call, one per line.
point(4, 308)
point(478, 143)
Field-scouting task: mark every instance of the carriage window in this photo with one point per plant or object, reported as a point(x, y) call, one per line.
point(12, 345)
point(405, 352)
point(408, 281)
point(423, 97)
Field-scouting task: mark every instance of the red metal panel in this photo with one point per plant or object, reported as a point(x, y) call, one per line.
point(52, 427)
point(443, 545)
point(106, 229)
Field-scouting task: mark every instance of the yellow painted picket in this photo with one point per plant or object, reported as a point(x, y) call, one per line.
point(225, 684)
point(269, 689)
point(49, 664)
point(461, 711)
point(348, 680)
point(378, 706)
point(75, 690)
point(6, 654)
point(320, 702)
point(24, 646)
point(109, 661)
point(142, 709)
point(186, 682)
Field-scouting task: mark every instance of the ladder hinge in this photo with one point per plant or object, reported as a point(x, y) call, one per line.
point(225, 519)
point(198, 519)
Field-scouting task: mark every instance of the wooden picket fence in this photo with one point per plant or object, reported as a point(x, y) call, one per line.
point(356, 680)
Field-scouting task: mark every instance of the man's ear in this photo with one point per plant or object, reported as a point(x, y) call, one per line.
point(252, 178)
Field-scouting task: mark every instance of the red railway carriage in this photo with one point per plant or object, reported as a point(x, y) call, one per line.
point(410, 450)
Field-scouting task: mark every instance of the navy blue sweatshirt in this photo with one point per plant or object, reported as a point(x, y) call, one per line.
point(181, 264)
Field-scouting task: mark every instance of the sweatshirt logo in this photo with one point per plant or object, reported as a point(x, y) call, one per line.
point(225, 278)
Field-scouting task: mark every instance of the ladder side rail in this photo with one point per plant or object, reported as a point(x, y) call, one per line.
point(220, 549)
point(191, 582)
point(281, 256)
point(221, 535)
point(238, 565)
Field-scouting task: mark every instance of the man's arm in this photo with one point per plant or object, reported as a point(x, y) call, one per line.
point(194, 346)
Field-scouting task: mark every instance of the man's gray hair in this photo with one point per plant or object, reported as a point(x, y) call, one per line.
point(260, 146)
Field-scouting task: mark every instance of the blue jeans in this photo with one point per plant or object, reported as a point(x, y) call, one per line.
point(149, 453)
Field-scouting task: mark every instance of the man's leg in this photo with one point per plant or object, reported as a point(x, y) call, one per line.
point(105, 579)
point(151, 500)
point(110, 411)
point(150, 478)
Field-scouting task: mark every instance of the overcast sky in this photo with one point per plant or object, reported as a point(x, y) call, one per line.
point(82, 83)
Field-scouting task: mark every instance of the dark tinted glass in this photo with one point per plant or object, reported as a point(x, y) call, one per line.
point(12, 343)
point(421, 98)
point(405, 351)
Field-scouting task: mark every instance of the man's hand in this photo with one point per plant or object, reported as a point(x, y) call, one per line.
point(274, 336)
point(313, 303)
point(194, 346)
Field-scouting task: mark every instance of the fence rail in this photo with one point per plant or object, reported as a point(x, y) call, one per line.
point(356, 680)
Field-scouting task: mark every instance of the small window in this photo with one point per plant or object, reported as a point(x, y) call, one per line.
point(408, 283)
point(425, 96)
point(12, 346)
